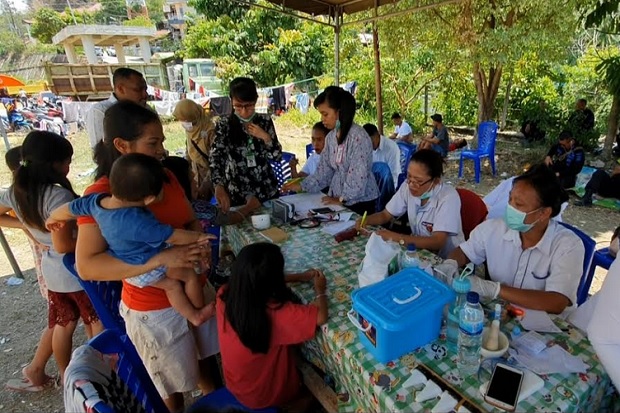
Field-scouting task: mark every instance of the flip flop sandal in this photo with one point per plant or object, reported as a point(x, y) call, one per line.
point(25, 384)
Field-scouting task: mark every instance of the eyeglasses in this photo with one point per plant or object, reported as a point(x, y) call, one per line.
point(417, 183)
point(244, 106)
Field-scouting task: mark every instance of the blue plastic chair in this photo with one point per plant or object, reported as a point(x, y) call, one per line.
point(282, 169)
point(406, 152)
point(586, 278)
point(385, 182)
point(105, 296)
point(309, 150)
point(136, 388)
point(487, 135)
point(222, 400)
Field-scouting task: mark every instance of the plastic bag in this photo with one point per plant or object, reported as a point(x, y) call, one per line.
point(379, 253)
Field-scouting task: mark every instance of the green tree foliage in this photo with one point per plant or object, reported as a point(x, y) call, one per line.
point(483, 37)
point(212, 9)
point(605, 16)
point(10, 43)
point(270, 47)
point(112, 11)
point(47, 23)
point(139, 21)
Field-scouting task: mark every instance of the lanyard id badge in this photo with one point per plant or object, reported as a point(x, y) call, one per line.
point(250, 156)
point(340, 154)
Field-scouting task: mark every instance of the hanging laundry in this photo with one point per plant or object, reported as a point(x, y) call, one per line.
point(262, 103)
point(351, 87)
point(221, 106)
point(303, 103)
point(279, 99)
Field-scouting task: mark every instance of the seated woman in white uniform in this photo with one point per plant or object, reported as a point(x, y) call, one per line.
point(533, 261)
point(433, 207)
point(604, 327)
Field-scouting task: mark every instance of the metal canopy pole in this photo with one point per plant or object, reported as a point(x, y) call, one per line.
point(337, 46)
point(378, 90)
point(10, 256)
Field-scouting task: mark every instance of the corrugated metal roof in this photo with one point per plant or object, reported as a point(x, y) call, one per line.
point(327, 7)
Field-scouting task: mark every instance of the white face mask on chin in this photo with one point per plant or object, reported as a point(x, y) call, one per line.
point(188, 126)
point(613, 246)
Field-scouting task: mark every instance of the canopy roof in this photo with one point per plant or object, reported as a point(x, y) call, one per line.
point(6, 81)
point(328, 7)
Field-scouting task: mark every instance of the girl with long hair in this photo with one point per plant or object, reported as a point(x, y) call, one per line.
point(40, 185)
point(259, 323)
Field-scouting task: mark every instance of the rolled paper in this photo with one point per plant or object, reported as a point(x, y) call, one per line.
point(430, 391)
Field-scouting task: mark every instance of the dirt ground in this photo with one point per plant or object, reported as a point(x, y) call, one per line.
point(23, 312)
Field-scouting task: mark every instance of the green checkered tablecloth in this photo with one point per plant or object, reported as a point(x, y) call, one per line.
point(365, 385)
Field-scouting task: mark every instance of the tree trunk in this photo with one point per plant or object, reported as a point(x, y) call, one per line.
point(486, 90)
point(612, 127)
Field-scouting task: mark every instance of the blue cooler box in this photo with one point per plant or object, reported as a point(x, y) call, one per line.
point(400, 314)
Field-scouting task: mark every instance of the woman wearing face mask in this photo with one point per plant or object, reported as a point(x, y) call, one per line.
point(200, 132)
point(533, 261)
point(346, 161)
point(433, 207)
point(244, 144)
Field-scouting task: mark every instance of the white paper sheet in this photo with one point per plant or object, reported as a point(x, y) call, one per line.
point(305, 202)
point(539, 321)
point(332, 228)
point(550, 361)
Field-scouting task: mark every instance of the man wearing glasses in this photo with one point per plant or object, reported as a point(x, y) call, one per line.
point(129, 85)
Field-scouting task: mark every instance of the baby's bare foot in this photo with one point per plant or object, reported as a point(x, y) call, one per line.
point(203, 314)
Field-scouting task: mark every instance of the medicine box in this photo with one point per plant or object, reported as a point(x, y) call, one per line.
point(399, 314)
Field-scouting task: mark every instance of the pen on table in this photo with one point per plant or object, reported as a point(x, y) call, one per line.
point(363, 220)
point(294, 181)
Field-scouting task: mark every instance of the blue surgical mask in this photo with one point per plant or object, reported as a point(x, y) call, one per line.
point(245, 120)
point(515, 219)
point(427, 194)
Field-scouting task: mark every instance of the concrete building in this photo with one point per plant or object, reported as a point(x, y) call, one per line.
point(175, 12)
point(91, 36)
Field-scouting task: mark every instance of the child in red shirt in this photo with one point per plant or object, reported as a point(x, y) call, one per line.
point(258, 325)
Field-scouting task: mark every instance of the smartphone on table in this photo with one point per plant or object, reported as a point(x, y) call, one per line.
point(504, 388)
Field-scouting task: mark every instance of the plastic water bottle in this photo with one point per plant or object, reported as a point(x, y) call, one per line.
point(470, 335)
point(409, 258)
point(461, 286)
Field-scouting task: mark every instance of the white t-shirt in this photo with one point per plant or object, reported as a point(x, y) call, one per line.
point(554, 264)
point(497, 200)
point(94, 120)
point(389, 153)
point(403, 130)
point(440, 214)
point(311, 164)
point(604, 327)
point(57, 277)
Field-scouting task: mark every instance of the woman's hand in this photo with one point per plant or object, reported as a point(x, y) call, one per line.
point(330, 200)
point(548, 160)
point(258, 133)
point(389, 235)
point(291, 186)
point(222, 198)
point(185, 256)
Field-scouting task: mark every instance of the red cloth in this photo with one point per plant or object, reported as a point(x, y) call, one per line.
point(266, 380)
point(173, 210)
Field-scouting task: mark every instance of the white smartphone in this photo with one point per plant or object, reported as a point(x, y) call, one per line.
point(504, 387)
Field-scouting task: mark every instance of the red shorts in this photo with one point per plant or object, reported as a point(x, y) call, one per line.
point(67, 307)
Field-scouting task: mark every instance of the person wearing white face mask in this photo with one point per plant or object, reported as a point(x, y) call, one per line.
point(533, 261)
point(244, 144)
point(433, 207)
point(200, 132)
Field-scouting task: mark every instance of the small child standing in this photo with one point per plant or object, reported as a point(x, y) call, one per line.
point(134, 235)
point(319, 132)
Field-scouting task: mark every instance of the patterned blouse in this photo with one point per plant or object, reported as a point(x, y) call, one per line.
point(346, 168)
point(243, 169)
